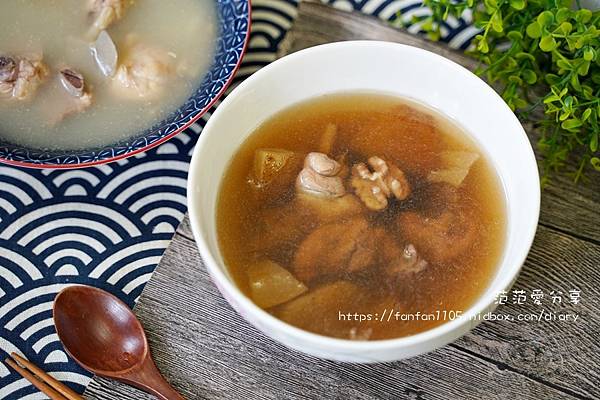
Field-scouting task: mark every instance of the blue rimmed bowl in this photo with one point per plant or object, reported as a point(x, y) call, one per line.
point(232, 38)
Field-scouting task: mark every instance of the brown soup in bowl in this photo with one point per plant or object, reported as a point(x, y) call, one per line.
point(361, 216)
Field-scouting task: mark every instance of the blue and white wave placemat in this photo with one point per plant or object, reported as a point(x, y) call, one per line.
point(108, 226)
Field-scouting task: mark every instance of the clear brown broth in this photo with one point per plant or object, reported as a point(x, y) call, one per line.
point(408, 134)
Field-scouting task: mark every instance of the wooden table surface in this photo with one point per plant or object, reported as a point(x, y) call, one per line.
point(208, 351)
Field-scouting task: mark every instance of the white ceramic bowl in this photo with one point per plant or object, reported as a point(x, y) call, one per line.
point(381, 67)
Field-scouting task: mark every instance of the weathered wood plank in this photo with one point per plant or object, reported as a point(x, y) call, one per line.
point(561, 353)
point(573, 208)
point(207, 351)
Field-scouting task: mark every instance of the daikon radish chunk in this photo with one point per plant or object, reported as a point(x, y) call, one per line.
point(271, 284)
point(105, 54)
point(456, 167)
point(268, 163)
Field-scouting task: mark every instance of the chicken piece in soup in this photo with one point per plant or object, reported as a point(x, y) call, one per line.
point(341, 209)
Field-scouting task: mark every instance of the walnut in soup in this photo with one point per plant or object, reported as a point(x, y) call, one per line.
point(349, 206)
point(82, 74)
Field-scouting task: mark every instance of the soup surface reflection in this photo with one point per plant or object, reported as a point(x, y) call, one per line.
point(361, 216)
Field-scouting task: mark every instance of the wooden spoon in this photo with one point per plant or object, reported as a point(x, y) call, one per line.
point(103, 335)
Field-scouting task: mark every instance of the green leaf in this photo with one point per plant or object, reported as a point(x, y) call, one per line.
point(545, 18)
point(568, 101)
point(534, 30)
point(563, 3)
point(529, 76)
point(566, 28)
point(548, 43)
point(519, 102)
point(571, 42)
point(551, 98)
point(571, 124)
point(496, 21)
point(522, 55)
point(511, 64)
point(434, 36)
point(584, 68)
point(575, 82)
point(515, 36)
point(563, 92)
point(517, 4)
point(594, 142)
point(562, 15)
point(482, 45)
point(515, 79)
point(490, 5)
point(552, 79)
point(584, 15)
point(585, 115)
point(588, 54)
point(588, 92)
point(427, 25)
point(595, 161)
point(564, 64)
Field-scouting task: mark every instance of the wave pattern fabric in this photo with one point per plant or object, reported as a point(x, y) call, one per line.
point(108, 226)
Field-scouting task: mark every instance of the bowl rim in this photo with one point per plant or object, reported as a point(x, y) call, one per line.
point(429, 339)
point(158, 142)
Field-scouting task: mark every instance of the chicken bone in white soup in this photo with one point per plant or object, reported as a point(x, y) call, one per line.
point(20, 76)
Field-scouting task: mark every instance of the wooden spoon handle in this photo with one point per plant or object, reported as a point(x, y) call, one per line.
point(163, 390)
point(149, 379)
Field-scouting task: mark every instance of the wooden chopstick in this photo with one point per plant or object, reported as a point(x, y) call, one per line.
point(41, 380)
point(53, 394)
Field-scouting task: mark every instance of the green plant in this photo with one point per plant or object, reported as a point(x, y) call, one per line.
point(545, 56)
